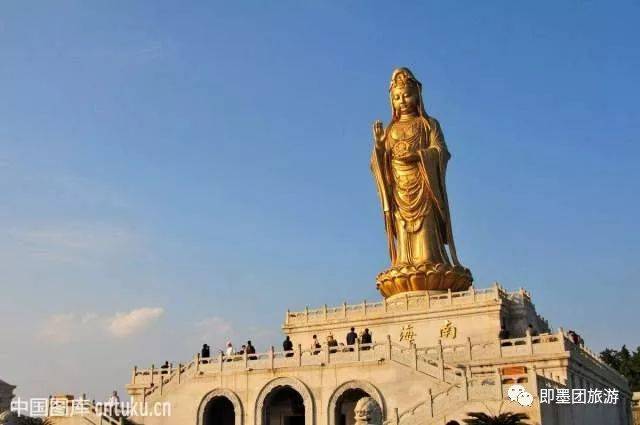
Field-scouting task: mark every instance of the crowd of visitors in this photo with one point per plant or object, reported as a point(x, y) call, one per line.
point(229, 353)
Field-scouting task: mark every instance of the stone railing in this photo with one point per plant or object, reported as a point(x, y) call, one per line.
point(588, 356)
point(523, 297)
point(94, 413)
point(408, 303)
point(436, 407)
point(485, 350)
point(154, 380)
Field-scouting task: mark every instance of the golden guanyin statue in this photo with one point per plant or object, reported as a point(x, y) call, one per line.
point(409, 164)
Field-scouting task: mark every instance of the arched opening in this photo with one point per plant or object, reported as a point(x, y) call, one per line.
point(283, 406)
point(345, 406)
point(219, 411)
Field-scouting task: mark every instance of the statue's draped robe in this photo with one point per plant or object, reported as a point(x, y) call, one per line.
point(410, 178)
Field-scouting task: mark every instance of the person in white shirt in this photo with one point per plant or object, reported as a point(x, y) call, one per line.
point(229, 351)
point(113, 404)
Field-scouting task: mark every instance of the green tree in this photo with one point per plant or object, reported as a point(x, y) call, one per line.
point(627, 363)
point(479, 418)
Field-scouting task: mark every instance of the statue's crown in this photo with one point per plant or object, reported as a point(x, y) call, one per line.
point(401, 77)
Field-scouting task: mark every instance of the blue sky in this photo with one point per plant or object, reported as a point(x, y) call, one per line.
point(174, 172)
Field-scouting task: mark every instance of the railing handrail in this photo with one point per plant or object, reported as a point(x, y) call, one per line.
point(375, 308)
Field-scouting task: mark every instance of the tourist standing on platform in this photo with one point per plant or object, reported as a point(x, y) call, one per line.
point(315, 345)
point(113, 404)
point(229, 351)
point(366, 339)
point(205, 352)
point(351, 338)
point(332, 343)
point(287, 346)
point(251, 350)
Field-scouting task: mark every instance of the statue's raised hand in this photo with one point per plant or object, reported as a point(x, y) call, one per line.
point(378, 134)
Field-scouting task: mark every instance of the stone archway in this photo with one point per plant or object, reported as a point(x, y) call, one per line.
point(288, 384)
point(217, 399)
point(357, 388)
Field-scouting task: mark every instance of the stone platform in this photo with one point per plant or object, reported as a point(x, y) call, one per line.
point(434, 357)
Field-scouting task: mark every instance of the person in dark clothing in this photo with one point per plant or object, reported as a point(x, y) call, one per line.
point(251, 350)
point(287, 346)
point(205, 352)
point(351, 338)
point(504, 333)
point(165, 368)
point(315, 345)
point(366, 339)
point(332, 343)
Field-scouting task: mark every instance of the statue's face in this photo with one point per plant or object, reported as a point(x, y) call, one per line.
point(405, 99)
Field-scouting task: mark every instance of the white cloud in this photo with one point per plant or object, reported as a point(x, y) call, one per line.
point(126, 324)
point(62, 328)
point(66, 327)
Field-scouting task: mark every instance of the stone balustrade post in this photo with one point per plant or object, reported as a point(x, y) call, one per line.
point(306, 314)
point(161, 384)
point(449, 298)
point(245, 358)
point(299, 354)
point(133, 375)
point(271, 357)
point(179, 372)
point(286, 318)
point(197, 360)
point(327, 353)
point(389, 347)
point(357, 349)
point(324, 312)
point(406, 301)
point(364, 308)
point(465, 383)
point(472, 291)
point(469, 354)
point(533, 379)
point(429, 404)
point(396, 416)
point(562, 339)
point(496, 289)
point(441, 369)
point(384, 304)
point(428, 295)
point(414, 350)
point(499, 384)
point(529, 342)
point(440, 350)
point(221, 361)
point(153, 367)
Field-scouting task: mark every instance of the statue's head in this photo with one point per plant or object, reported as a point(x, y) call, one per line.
point(367, 411)
point(405, 93)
